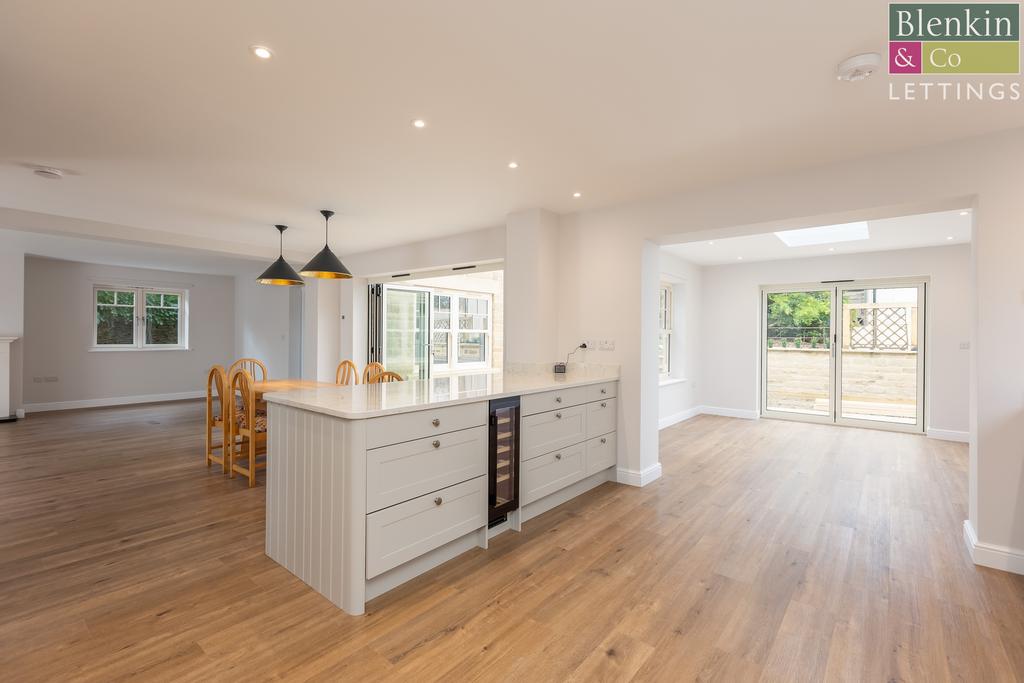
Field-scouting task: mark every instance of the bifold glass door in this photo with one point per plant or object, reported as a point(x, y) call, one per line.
point(847, 353)
point(406, 330)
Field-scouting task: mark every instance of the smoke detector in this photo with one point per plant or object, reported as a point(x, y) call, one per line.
point(48, 172)
point(858, 67)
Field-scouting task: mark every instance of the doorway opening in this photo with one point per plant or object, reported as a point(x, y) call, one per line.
point(438, 326)
point(847, 353)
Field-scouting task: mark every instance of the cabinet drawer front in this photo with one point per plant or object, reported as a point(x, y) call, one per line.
point(406, 470)
point(405, 531)
point(601, 417)
point(601, 453)
point(544, 475)
point(599, 392)
point(547, 432)
point(553, 400)
point(391, 429)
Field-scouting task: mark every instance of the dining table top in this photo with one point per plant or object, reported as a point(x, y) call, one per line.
point(267, 386)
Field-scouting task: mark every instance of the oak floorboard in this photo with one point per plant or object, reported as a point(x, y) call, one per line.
point(768, 550)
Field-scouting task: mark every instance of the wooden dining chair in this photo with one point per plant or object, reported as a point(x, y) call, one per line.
point(218, 417)
point(387, 376)
point(371, 370)
point(248, 430)
point(255, 367)
point(347, 373)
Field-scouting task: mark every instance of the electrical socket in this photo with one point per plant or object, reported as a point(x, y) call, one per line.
point(37, 380)
point(607, 345)
point(50, 379)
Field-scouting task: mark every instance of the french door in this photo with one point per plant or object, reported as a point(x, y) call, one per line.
point(847, 353)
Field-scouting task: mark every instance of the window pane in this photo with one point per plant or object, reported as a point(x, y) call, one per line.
point(115, 325)
point(439, 348)
point(152, 299)
point(473, 314)
point(171, 300)
point(472, 347)
point(104, 296)
point(126, 298)
point(161, 325)
point(664, 351)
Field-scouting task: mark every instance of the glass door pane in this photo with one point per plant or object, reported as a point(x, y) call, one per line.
point(797, 352)
point(405, 332)
point(879, 365)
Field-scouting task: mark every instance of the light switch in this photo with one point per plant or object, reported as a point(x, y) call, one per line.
point(965, 345)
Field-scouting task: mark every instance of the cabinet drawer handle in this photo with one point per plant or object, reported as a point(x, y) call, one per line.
point(438, 500)
point(435, 422)
point(437, 444)
point(558, 399)
point(558, 456)
point(558, 415)
point(604, 391)
point(604, 440)
point(603, 404)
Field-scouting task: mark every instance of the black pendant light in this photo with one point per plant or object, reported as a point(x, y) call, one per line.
point(326, 264)
point(279, 272)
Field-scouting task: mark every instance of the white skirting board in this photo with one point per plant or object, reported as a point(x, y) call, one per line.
point(948, 435)
point(992, 556)
point(638, 478)
point(113, 401)
point(706, 410)
point(678, 417)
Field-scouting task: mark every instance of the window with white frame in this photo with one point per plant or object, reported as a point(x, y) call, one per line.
point(139, 318)
point(665, 329)
point(460, 330)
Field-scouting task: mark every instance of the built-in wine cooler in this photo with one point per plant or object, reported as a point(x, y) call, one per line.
point(503, 463)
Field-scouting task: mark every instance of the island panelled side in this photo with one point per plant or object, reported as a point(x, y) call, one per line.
point(356, 507)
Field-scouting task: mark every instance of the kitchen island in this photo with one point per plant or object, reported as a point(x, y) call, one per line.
point(371, 485)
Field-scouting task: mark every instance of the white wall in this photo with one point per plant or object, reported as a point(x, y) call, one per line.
point(982, 172)
point(678, 396)
point(59, 314)
point(12, 309)
point(533, 288)
point(731, 315)
point(261, 323)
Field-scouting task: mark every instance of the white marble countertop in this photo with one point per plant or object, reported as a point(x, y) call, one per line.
point(373, 400)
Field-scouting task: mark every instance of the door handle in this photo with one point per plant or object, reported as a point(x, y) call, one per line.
point(438, 500)
point(437, 444)
point(558, 415)
point(558, 456)
point(435, 422)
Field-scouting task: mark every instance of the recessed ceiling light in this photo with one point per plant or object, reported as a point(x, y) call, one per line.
point(964, 213)
point(831, 248)
point(419, 123)
point(261, 51)
point(950, 237)
point(739, 258)
point(513, 165)
point(826, 234)
point(710, 243)
point(577, 195)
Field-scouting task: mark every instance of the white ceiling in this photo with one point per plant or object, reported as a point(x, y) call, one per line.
point(905, 232)
point(167, 122)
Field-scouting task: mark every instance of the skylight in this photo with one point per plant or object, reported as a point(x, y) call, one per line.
point(825, 234)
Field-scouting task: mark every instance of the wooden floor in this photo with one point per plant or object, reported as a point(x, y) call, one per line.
point(768, 551)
